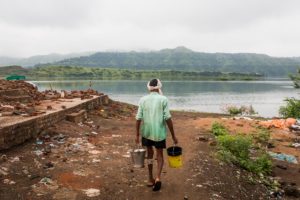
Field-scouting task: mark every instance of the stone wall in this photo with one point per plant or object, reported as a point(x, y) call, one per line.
point(20, 132)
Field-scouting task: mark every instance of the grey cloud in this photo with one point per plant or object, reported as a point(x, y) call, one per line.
point(52, 13)
point(31, 27)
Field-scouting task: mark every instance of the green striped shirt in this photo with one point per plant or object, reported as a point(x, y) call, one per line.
point(154, 111)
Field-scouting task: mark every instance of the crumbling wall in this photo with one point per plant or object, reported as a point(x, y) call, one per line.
point(18, 133)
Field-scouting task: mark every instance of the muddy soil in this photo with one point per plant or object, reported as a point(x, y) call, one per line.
point(91, 161)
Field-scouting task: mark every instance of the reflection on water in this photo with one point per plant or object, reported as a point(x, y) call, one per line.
point(207, 96)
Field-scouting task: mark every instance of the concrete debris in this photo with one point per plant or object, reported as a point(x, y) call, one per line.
point(38, 152)
point(92, 192)
point(80, 94)
point(116, 136)
point(45, 186)
point(295, 127)
point(296, 145)
point(9, 182)
point(279, 123)
point(94, 152)
point(77, 117)
point(4, 171)
point(15, 159)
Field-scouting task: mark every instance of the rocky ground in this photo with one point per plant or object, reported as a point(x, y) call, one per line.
point(91, 160)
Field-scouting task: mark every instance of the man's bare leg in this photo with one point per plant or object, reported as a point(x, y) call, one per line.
point(150, 165)
point(160, 163)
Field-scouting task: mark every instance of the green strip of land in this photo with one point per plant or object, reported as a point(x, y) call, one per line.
point(113, 73)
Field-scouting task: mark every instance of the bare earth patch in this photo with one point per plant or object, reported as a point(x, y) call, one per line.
point(91, 161)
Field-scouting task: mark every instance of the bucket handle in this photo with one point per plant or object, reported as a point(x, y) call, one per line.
point(137, 146)
point(174, 145)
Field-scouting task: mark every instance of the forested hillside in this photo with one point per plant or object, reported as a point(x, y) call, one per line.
point(184, 59)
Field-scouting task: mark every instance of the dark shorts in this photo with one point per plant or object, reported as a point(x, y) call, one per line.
point(149, 143)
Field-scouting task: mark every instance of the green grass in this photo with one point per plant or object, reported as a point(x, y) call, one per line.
point(219, 129)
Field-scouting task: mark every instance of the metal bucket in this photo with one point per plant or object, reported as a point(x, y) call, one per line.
point(138, 157)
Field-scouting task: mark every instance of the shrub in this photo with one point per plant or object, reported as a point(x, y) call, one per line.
point(242, 110)
point(262, 164)
point(292, 108)
point(238, 145)
point(218, 129)
point(262, 136)
point(233, 110)
point(236, 149)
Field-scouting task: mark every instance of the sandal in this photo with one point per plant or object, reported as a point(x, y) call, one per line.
point(151, 183)
point(157, 186)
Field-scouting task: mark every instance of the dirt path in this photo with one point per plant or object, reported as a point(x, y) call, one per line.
point(91, 159)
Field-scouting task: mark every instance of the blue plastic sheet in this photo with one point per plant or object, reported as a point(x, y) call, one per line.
point(284, 157)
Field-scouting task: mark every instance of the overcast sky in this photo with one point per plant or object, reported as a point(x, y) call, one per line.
point(31, 27)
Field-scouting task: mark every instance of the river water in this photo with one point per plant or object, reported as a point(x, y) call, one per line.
point(206, 96)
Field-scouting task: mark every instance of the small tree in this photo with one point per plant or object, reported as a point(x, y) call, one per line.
point(296, 79)
point(292, 108)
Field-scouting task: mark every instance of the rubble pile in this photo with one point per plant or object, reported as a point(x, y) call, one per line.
point(51, 94)
point(87, 94)
point(18, 91)
point(18, 97)
point(21, 98)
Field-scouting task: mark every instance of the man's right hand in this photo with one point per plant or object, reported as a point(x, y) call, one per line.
point(137, 139)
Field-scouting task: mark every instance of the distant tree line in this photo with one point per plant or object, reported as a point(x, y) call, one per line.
point(112, 73)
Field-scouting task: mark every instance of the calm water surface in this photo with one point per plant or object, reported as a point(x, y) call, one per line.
point(207, 96)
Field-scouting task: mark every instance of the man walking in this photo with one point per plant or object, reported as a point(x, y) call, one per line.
point(154, 113)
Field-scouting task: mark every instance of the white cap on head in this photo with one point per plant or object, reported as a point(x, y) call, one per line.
point(158, 87)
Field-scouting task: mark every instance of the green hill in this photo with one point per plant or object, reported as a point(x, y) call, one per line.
point(183, 59)
point(9, 70)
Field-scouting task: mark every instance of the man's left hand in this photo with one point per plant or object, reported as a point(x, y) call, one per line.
point(175, 140)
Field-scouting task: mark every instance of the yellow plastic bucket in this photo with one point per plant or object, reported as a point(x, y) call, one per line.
point(175, 156)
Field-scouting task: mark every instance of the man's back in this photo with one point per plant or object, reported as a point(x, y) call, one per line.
point(154, 111)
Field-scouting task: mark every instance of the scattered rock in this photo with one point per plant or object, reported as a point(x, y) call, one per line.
point(203, 138)
point(3, 158)
point(45, 186)
point(9, 182)
point(48, 165)
point(292, 190)
point(270, 145)
point(281, 167)
point(4, 171)
point(94, 152)
point(92, 192)
point(213, 143)
point(15, 159)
